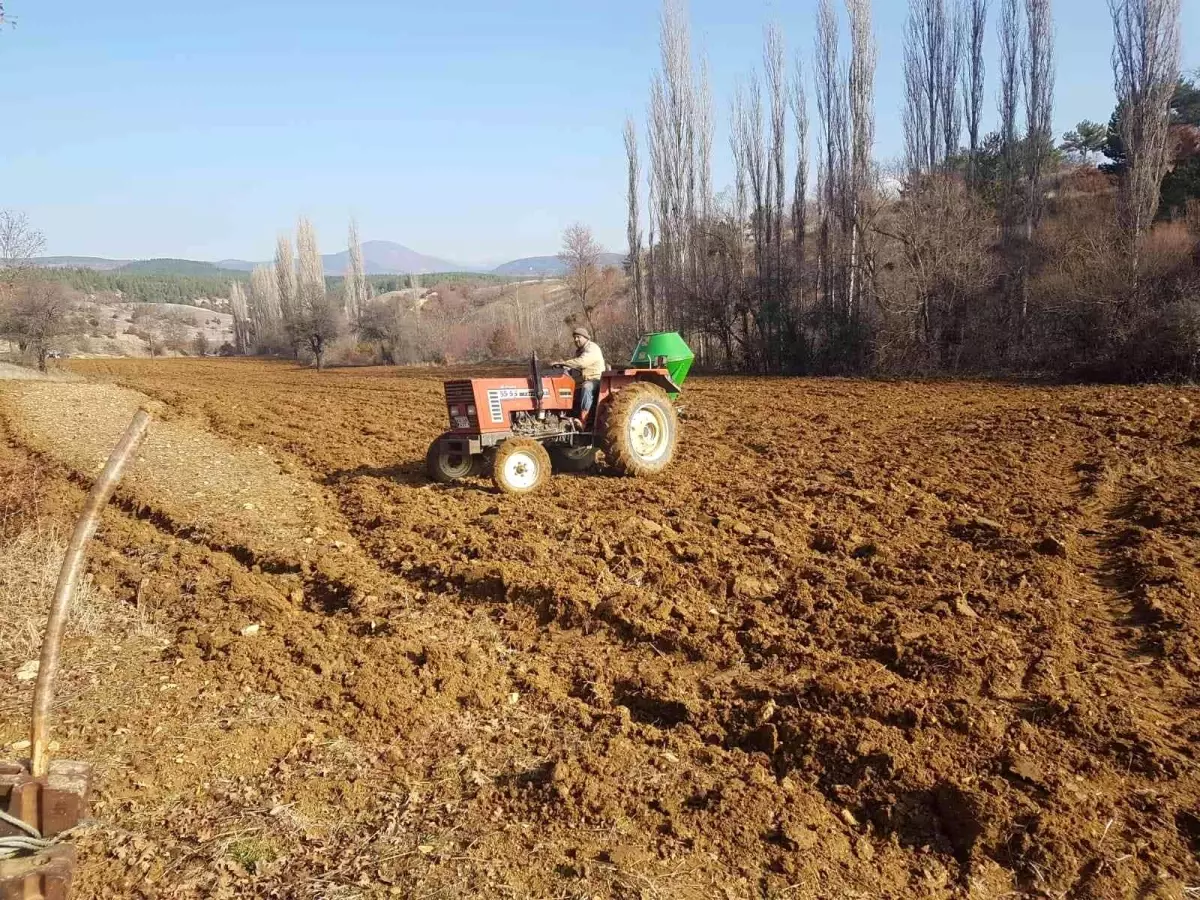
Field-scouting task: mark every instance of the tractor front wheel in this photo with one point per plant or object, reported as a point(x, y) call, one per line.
point(522, 465)
point(444, 465)
point(641, 430)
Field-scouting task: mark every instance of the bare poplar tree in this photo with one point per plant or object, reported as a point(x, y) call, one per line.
point(242, 331)
point(776, 193)
point(832, 176)
point(932, 58)
point(1038, 78)
point(974, 18)
point(316, 322)
point(704, 142)
point(356, 279)
point(285, 276)
point(739, 116)
point(652, 254)
point(265, 314)
point(861, 85)
point(633, 229)
point(925, 47)
point(1010, 86)
point(673, 152)
point(1146, 51)
point(799, 102)
point(951, 107)
point(918, 129)
point(757, 169)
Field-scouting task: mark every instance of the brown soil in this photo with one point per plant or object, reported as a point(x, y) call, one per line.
point(862, 639)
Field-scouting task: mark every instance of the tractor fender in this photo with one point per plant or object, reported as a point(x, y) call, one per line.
point(655, 376)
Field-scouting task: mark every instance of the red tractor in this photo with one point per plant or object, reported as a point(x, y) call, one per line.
point(524, 426)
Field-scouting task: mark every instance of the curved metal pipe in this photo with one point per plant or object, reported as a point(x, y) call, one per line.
point(68, 577)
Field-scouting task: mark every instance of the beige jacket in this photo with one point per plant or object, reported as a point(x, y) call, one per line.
point(590, 362)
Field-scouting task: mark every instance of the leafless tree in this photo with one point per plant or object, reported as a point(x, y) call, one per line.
point(974, 17)
point(755, 174)
point(861, 85)
point(799, 102)
point(1145, 64)
point(918, 129)
point(833, 175)
point(704, 142)
point(633, 230)
point(924, 51)
point(951, 104)
point(652, 254)
point(1038, 78)
point(580, 255)
point(265, 314)
point(317, 322)
point(20, 243)
point(285, 277)
point(776, 193)
point(356, 279)
point(1010, 98)
point(932, 59)
point(243, 333)
point(36, 315)
point(673, 153)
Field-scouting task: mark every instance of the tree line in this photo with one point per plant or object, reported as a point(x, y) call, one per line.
point(974, 252)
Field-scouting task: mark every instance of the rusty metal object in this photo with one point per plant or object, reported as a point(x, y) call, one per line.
point(52, 804)
point(47, 807)
point(46, 876)
point(68, 577)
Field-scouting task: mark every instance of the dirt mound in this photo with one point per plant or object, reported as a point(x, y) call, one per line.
point(863, 639)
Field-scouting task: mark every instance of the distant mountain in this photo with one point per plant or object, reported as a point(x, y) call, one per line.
point(538, 266)
point(389, 258)
point(79, 262)
point(379, 258)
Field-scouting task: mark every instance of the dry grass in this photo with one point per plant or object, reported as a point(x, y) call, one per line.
point(29, 565)
point(21, 480)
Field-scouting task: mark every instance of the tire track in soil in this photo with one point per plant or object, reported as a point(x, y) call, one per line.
point(1115, 630)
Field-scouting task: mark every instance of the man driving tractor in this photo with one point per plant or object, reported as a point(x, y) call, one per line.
point(590, 364)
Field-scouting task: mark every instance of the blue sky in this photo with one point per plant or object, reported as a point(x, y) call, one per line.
point(474, 130)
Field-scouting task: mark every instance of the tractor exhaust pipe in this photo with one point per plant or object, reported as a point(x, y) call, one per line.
point(539, 390)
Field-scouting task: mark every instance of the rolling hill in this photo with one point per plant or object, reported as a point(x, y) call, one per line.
point(79, 262)
point(538, 266)
point(379, 258)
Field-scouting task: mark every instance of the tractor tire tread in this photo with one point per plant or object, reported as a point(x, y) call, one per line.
point(515, 445)
point(440, 475)
point(615, 443)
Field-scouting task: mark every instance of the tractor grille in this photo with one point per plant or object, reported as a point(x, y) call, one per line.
point(461, 394)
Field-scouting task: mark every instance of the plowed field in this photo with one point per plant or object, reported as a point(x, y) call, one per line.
point(863, 640)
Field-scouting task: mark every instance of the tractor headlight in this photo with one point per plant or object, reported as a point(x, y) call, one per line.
point(470, 409)
point(456, 410)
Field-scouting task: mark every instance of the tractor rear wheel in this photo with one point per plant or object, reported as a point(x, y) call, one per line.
point(641, 430)
point(522, 465)
point(573, 459)
point(445, 466)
